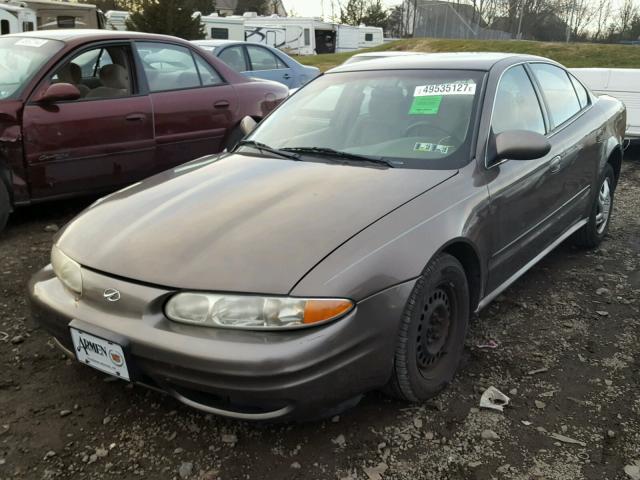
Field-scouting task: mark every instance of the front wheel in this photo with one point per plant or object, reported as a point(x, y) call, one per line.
point(596, 229)
point(431, 337)
point(5, 207)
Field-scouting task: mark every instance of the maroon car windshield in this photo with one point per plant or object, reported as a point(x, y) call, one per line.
point(408, 118)
point(20, 60)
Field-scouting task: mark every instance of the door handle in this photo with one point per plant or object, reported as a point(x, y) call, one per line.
point(222, 104)
point(286, 76)
point(135, 117)
point(556, 164)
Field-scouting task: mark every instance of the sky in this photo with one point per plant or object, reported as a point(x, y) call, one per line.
point(313, 8)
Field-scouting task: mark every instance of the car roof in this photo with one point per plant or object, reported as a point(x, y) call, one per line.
point(72, 35)
point(446, 61)
point(391, 53)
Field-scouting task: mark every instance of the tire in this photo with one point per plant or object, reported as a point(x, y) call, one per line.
point(5, 206)
point(431, 336)
point(592, 234)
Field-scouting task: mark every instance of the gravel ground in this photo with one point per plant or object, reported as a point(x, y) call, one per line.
point(567, 355)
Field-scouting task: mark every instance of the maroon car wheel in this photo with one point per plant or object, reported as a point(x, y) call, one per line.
point(431, 337)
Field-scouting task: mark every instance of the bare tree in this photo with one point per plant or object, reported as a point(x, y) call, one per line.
point(602, 17)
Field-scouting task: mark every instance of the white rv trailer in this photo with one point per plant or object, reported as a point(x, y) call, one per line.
point(16, 19)
point(117, 19)
point(52, 15)
point(223, 28)
point(370, 36)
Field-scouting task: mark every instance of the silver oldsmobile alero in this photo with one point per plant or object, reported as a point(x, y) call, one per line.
point(343, 245)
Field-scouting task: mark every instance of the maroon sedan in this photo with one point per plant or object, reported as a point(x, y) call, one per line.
point(89, 111)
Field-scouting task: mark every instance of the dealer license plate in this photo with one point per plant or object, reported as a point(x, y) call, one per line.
point(101, 354)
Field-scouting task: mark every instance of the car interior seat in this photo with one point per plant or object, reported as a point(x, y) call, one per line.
point(115, 82)
point(385, 120)
point(72, 73)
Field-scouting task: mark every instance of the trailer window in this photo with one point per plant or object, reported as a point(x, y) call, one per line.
point(368, 37)
point(220, 33)
point(28, 27)
point(307, 37)
point(4, 27)
point(66, 21)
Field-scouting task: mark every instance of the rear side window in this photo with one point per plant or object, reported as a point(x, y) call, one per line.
point(207, 74)
point(558, 91)
point(263, 59)
point(168, 67)
point(583, 96)
point(234, 57)
point(516, 105)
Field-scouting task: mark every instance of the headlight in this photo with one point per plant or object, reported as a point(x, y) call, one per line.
point(68, 271)
point(253, 313)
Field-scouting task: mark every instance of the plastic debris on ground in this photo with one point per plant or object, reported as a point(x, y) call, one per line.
point(494, 399)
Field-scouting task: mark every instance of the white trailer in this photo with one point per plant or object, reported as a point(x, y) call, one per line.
point(370, 36)
point(117, 19)
point(621, 83)
point(347, 38)
point(223, 28)
point(16, 19)
point(52, 15)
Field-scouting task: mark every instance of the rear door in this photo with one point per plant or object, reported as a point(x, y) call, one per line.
point(265, 64)
point(193, 106)
point(575, 147)
point(100, 141)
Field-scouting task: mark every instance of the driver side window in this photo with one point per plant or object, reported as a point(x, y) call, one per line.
point(516, 104)
point(98, 73)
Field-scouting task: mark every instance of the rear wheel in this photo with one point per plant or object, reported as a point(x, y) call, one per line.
point(5, 206)
point(596, 229)
point(431, 338)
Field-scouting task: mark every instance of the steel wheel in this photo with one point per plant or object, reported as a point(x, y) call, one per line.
point(434, 328)
point(604, 206)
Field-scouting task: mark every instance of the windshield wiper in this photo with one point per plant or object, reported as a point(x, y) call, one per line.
point(338, 154)
point(263, 147)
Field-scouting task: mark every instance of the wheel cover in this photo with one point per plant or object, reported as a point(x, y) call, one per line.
point(604, 206)
point(434, 328)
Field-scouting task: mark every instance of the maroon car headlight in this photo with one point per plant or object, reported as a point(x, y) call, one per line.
point(67, 270)
point(254, 312)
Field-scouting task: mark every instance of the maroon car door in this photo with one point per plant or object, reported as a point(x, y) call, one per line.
point(100, 141)
point(193, 106)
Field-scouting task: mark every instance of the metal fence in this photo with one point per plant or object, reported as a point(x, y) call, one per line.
point(438, 19)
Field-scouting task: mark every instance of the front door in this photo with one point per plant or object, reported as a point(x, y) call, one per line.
point(193, 106)
point(100, 141)
point(524, 194)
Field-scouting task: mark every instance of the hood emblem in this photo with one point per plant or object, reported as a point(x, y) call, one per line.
point(111, 295)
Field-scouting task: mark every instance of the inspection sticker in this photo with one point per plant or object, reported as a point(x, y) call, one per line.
point(453, 88)
point(31, 42)
point(426, 105)
point(431, 147)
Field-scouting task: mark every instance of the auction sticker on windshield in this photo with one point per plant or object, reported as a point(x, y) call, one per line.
point(101, 354)
point(31, 42)
point(451, 88)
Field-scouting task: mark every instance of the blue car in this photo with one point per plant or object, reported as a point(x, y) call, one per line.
point(260, 61)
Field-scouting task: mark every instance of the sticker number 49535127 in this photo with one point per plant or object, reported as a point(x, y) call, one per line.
point(454, 88)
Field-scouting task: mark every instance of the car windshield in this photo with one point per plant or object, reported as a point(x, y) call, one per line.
point(20, 60)
point(408, 118)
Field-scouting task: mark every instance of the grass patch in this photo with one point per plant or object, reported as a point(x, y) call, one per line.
point(569, 54)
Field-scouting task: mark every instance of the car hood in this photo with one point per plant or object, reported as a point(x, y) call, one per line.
point(237, 222)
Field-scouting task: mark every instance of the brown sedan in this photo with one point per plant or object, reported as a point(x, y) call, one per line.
point(88, 111)
point(343, 246)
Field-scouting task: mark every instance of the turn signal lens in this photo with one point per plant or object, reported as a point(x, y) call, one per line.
point(253, 313)
point(323, 310)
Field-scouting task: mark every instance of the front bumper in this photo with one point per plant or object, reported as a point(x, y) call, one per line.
point(241, 374)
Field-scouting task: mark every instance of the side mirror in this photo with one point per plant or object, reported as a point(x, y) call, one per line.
point(247, 125)
point(520, 145)
point(59, 92)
